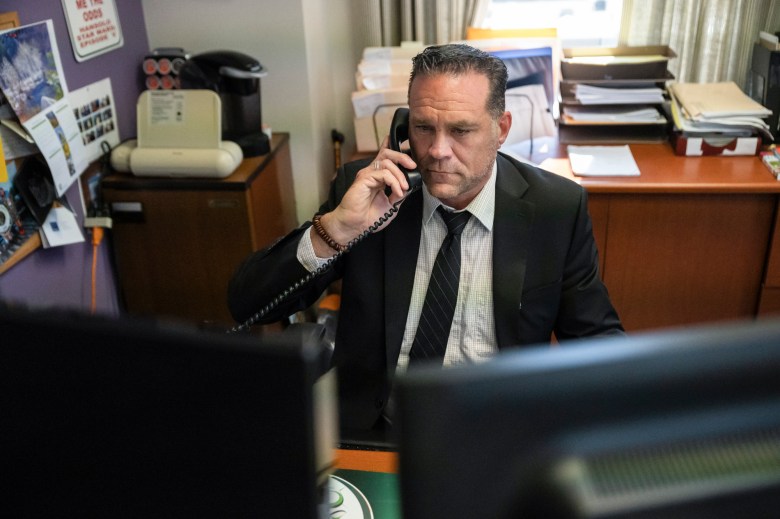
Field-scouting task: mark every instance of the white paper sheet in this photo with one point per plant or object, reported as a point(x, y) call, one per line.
point(602, 161)
point(60, 228)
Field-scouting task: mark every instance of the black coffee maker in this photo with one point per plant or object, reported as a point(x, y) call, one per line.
point(236, 78)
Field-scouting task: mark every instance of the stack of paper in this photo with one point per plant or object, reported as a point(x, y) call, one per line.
point(717, 109)
point(382, 79)
point(591, 95)
point(616, 60)
point(613, 115)
point(386, 67)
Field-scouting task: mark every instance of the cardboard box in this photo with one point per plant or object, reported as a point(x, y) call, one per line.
point(595, 62)
point(373, 112)
point(402, 67)
point(370, 131)
point(366, 103)
point(381, 74)
point(407, 50)
point(381, 81)
point(718, 146)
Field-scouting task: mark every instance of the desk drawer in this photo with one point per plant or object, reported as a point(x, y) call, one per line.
point(772, 276)
point(770, 301)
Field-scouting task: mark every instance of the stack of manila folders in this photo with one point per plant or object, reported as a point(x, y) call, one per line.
point(711, 110)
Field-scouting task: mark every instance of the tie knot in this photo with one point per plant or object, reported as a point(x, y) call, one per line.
point(455, 222)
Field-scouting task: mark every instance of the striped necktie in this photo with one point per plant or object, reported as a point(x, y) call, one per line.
point(433, 331)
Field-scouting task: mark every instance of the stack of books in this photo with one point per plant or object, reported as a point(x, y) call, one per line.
point(710, 110)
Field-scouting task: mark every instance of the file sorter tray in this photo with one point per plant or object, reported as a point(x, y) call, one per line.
point(568, 86)
point(613, 134)
point(620, 68)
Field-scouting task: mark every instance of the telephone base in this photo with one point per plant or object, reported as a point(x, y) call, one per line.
point(253, 144)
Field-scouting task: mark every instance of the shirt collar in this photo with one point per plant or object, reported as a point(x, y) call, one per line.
point(482, 207)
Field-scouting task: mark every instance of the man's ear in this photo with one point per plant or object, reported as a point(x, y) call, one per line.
point(504, 124)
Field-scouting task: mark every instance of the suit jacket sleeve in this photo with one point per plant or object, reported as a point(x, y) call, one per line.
point(586, 308)
point(269, 275)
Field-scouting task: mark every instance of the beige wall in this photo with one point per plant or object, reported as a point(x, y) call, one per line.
point(306, 46)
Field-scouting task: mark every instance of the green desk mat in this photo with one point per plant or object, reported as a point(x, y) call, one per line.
point(357, 494)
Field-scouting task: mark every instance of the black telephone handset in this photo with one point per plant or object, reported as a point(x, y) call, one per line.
point(399, 132)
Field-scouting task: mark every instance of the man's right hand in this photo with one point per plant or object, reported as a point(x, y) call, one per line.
point(365, 201)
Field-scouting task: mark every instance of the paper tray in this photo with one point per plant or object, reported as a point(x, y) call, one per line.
point(571, 69)
point(569, 86)
point(613, 134)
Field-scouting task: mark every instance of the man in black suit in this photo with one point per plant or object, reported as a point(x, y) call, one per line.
point(529, 260)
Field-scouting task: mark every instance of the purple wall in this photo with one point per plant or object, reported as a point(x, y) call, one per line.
point(61, 276)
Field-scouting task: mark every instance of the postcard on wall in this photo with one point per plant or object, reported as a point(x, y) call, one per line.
point(33, 82)
point(93, 108)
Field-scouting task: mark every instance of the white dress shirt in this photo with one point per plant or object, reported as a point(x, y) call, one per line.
point(473, 333)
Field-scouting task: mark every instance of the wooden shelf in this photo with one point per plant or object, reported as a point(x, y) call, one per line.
point(29, 246)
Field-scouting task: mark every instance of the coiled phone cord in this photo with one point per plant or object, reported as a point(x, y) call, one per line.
point(245, 326)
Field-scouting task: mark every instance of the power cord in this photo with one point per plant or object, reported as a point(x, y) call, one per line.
point(97, 237)
point(98, 219)
point(98, 214)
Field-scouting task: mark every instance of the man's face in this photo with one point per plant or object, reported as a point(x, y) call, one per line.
point(453, 136)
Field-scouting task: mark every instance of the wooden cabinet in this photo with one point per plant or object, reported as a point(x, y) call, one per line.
point(770, 291)
point(178, 241)
point(691, 240)
point(678, 259)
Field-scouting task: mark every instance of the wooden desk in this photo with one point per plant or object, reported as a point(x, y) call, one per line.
point(690, 240)
point(178, 241)
point(367, 460)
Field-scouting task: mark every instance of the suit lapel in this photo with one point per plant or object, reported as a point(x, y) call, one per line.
point(402, 244)
point(513, 218)
point(512, 221)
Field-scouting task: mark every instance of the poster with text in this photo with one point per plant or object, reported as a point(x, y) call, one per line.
point(94, 27)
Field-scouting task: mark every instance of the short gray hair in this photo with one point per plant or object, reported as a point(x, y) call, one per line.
point(456, 59)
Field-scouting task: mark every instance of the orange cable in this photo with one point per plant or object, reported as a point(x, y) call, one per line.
point(97, 237)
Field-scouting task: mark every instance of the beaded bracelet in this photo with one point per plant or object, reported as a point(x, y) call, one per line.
point(325, 236)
